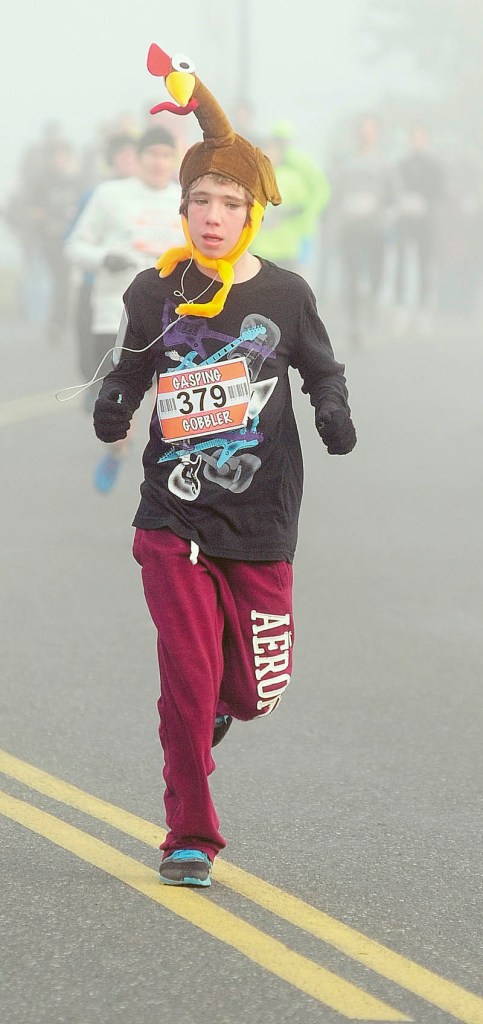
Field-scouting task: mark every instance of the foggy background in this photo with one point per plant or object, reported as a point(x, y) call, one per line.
point(82, 68)
point(81, 63)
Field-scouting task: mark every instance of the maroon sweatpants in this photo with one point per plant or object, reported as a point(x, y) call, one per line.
point(225, 635)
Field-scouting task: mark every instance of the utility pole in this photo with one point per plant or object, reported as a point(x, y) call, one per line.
point(244, 51)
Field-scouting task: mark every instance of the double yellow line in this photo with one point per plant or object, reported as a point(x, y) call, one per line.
point(323, 985)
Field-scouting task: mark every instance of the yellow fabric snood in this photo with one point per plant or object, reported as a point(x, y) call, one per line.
point(223, 266)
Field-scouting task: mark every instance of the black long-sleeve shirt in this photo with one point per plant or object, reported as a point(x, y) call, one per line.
point(233, 489)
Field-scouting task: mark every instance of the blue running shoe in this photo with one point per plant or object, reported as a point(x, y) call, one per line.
point(107, 473)
point(186, 867)
point(222, 724)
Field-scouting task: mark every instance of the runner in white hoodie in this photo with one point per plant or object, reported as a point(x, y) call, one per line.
point(122, 230)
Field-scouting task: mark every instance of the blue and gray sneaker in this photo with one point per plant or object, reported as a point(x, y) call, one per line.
point(107, 473)
point(186, 867)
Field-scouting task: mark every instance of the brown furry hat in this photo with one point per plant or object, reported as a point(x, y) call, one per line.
point(222, 150)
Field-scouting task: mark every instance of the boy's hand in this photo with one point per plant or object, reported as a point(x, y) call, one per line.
point(112, 417)
point(337, 432)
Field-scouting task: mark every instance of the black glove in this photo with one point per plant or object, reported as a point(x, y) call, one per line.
point(115, 262)
point(337, 431)
point(112, 417)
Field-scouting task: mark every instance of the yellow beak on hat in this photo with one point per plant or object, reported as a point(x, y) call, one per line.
point(180, 86)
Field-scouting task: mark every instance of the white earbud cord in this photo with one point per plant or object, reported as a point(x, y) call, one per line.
point(77, 389)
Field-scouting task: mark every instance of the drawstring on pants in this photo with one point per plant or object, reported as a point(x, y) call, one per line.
point(195, 550)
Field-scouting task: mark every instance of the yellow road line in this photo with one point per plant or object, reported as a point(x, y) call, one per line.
point(451, 998)
point(16, 410)
point(297, 970)
point(68, 794)
point(461, 1004)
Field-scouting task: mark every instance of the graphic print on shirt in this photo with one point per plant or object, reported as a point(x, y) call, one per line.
point(209, 406)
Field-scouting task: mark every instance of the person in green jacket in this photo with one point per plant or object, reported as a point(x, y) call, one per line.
point(289, 233)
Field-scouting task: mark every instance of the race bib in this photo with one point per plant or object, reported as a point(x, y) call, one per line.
point(201, 400)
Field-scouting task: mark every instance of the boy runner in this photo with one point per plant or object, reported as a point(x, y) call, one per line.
point(216, 527)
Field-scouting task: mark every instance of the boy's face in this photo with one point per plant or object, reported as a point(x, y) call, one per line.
point(156, 165)
point(217, 214)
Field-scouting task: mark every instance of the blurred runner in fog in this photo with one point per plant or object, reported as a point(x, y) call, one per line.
point(418, 208)
point(363, 183)
point(289, 232)
point(122, 230)
point(94, 160)
point(42, 203)
point(32, 284)
point(120, 161)
point(55, 192)
point(460, 290)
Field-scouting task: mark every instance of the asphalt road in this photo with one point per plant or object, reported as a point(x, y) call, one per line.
point(361, 796)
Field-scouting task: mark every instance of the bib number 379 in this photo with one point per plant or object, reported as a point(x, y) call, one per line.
point(203, 400)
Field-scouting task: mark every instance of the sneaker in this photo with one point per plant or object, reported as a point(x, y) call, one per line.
point(222, 724)
point(106, 473)
point(186, 867)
